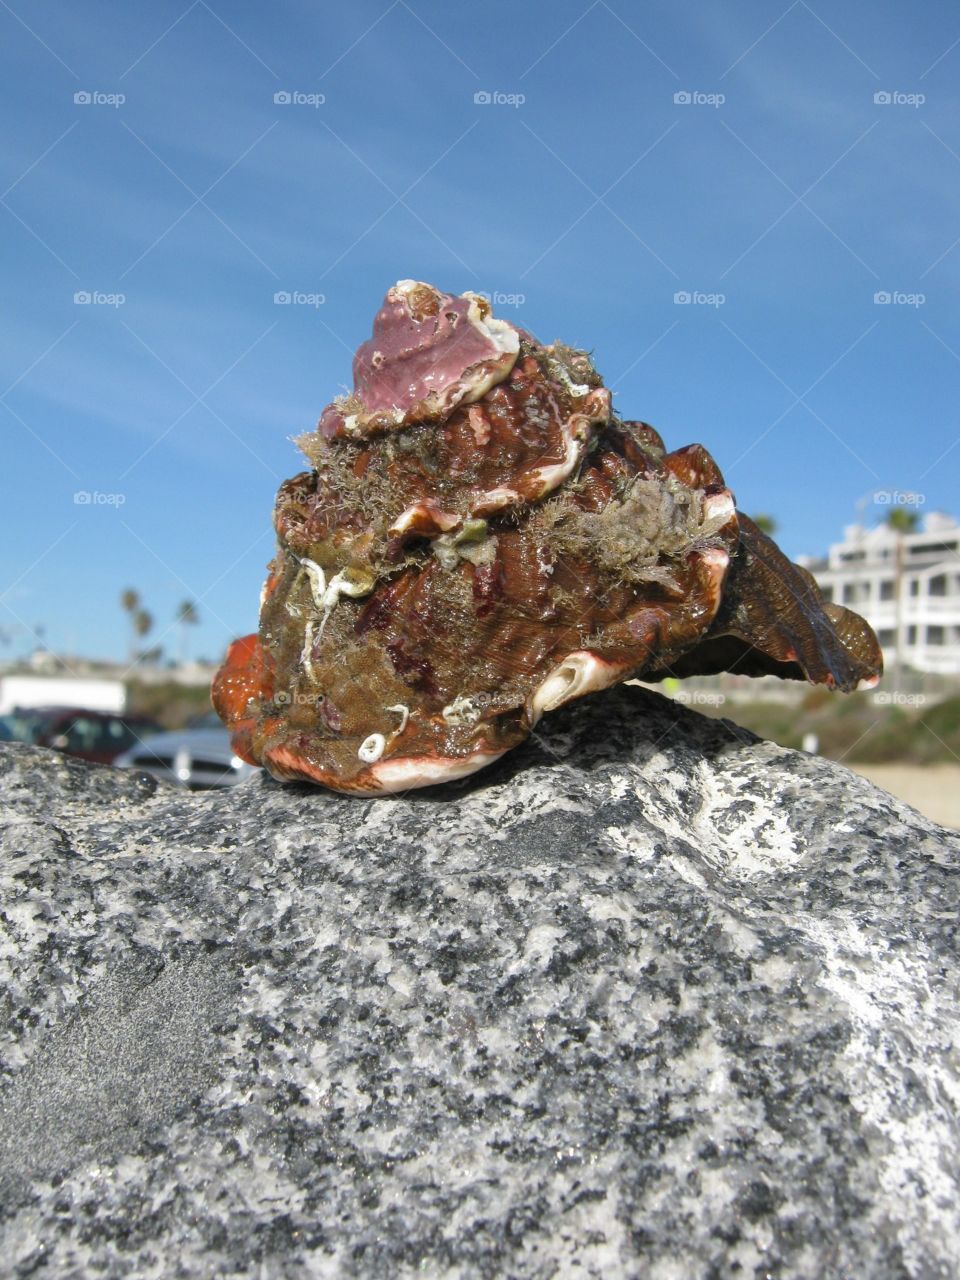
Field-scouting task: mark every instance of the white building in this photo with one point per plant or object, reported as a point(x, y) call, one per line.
point(862, 572)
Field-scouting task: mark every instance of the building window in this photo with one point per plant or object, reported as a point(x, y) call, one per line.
point(827, 593)
point(914, 587)
point(933, 548)
point(911, 635)
point(935, 635)
point(886, 589)
point(885, 636)
point(937, 586)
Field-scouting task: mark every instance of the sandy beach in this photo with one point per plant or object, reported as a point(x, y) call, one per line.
point(933, 789)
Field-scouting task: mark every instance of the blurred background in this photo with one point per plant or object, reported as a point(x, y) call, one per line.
point(749, 213)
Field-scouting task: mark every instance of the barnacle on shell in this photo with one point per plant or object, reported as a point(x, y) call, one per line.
point(479, 540)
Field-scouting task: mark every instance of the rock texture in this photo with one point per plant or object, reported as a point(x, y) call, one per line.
point(649, 998)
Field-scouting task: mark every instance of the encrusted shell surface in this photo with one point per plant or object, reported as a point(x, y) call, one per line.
point(478, 541)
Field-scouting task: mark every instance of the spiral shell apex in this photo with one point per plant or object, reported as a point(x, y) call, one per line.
point(478, 541)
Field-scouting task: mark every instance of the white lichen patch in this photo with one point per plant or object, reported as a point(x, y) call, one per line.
point(326, 594)
point(560, 371)
point(462, 713)
point(317, 579)
point(348, 582)
point(634, 538)
point(470, 542)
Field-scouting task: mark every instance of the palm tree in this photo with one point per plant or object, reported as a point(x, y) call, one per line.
point(766, 524)
point(901, 521)
point(142, 623)
point(130, 603)
point(187, 616)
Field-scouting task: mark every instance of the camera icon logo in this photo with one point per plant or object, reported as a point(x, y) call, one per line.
point(682, 98)
point(881, 298)
point(82, 498)
point(681, 298)
point(882, 98)
point(282, 98)
point(482, 98)
point(82, 298)
point(82, 98)
point(281, 299)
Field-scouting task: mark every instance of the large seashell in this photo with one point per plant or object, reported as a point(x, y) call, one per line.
point(479, 540)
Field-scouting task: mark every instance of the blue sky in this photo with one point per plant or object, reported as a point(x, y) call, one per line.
point(781, 196)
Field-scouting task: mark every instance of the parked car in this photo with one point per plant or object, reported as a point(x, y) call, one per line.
point(97, 736)
point(21, 725)
point(194, 758)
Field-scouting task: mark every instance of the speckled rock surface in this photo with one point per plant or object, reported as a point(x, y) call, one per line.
point(651, 998)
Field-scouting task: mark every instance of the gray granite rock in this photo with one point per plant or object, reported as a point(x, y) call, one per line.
point(651, 998)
